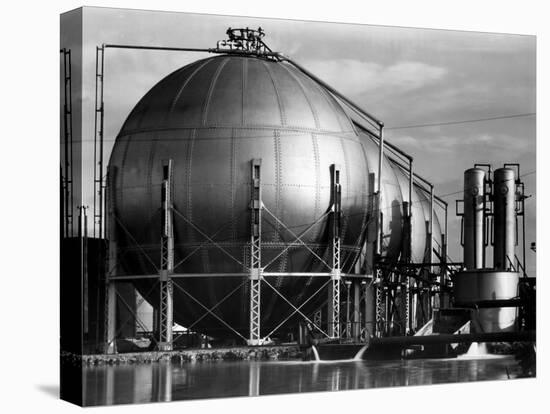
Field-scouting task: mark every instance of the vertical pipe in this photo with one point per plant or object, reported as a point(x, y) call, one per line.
point(474, 216)
point(356, 331)
point(66, 146)
point(101, 188)
point(414, 306)
point(110, 292)
point(348, 315)
point(408, 296)
point(95, 136)
point(110, 344)
point(370, 309)
point(504, 218)
point(443, 267)
point(431, 241)
point(81, 293)
point(379, 274)
point(70, 125)
point(523, 239)
point(156, 319)
point(61, 206)
point(379, 189)
point(445, 236)
point(85, 275)
point(411, 177)
point(388, 298)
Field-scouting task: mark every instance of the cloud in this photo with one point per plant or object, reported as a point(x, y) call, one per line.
point(356, 77)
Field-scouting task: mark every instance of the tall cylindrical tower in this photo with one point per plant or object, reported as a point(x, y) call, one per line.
point(505, 218)
point(474, 234)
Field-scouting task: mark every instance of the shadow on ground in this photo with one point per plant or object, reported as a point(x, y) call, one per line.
point(49, 389)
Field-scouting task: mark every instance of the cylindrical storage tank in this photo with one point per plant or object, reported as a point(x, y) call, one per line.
point(504, 218)
point(470, 288)
point(474, 215)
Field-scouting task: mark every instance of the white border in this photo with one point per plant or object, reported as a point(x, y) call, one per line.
point(29, 304)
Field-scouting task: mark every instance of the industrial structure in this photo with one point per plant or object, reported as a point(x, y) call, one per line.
point(245, 197)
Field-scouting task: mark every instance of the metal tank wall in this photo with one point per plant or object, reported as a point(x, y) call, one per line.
point(395, 190)
point(474, 218)
point(504, 218)
point(212, 118)
point(484, 285)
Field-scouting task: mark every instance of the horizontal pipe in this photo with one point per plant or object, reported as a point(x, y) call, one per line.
point(297, 274)
point(332, 90)
point(417, 265)
point(523, 336)
point(191, 49)
point(419, 177)
point(199, 275)
point(493, 303)
point(175, 49)
point(388, 144)
point(177, 276)
point(132, 277)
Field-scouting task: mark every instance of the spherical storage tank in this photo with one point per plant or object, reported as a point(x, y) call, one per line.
point(211, 118)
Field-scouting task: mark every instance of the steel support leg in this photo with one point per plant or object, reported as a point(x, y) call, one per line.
point(388, 296)
point(317, 317)
point(407, 305)
point(255, 255)
point(370, 310)
point(167, 262)
point(334, 307)
point(378, 293)
point(166, 314)
point(334, 292)
point(110, 318)
point(348, 309)
point(356, 320)
point(111, 268)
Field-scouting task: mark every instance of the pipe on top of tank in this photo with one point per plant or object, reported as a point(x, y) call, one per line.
point(192, 49)
point(388, 144)
point(352, 105)
point(279, 56)
point(332, 90)
point(442, 202)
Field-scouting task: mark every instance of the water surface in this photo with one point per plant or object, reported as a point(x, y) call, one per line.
point(166, 381)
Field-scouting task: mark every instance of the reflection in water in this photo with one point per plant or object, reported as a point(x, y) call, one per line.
point(254, 379)
point(165, 381)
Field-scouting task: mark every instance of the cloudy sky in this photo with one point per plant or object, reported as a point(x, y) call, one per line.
point(408, 78)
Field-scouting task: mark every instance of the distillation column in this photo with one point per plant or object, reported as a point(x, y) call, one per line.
point(474, 218)
point(504, 219)
point(480, 288)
